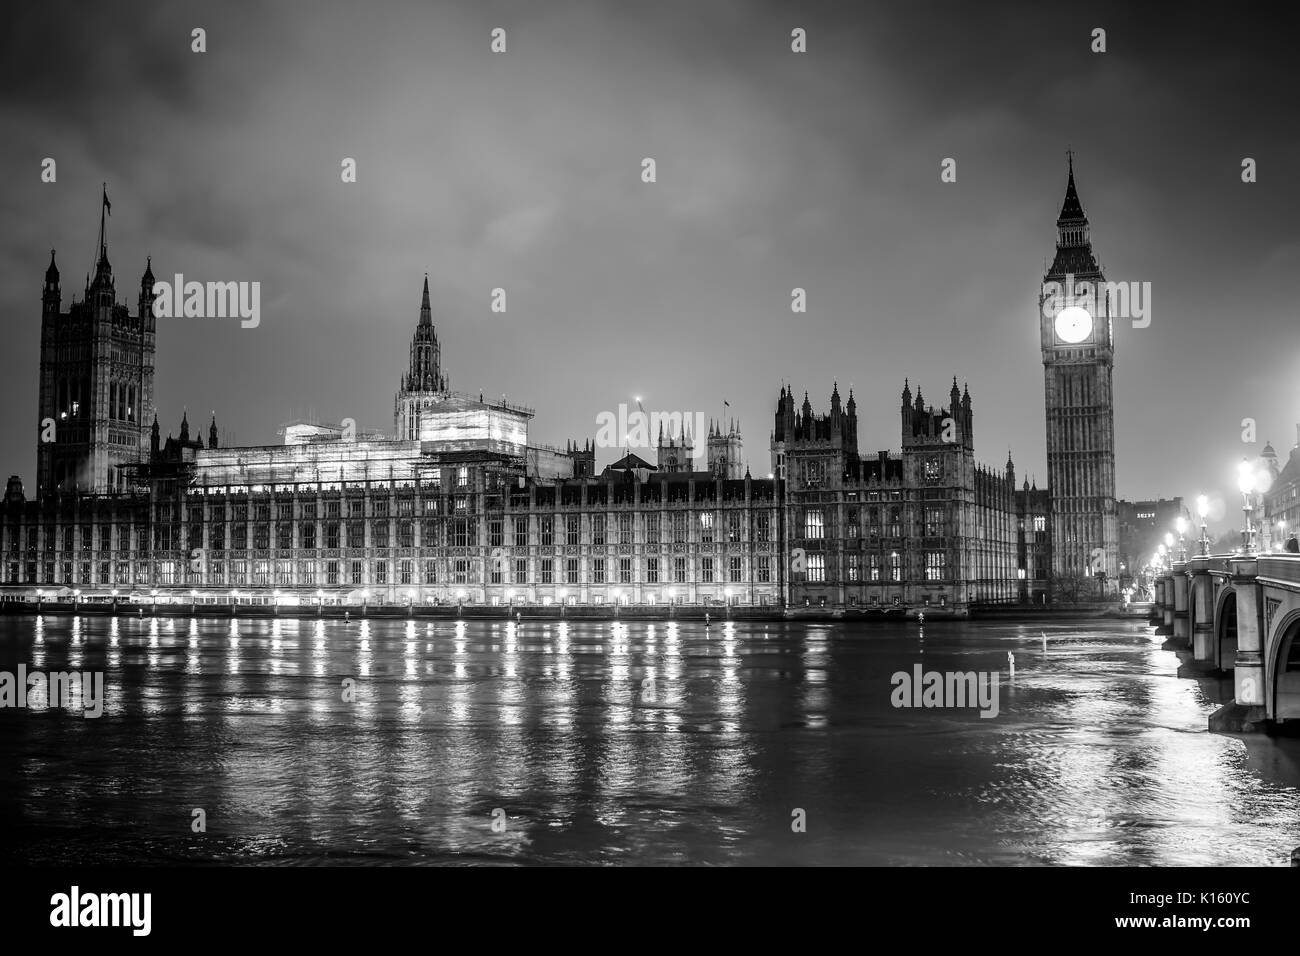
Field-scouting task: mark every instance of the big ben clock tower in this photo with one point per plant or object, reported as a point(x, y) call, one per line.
point(1078, 359)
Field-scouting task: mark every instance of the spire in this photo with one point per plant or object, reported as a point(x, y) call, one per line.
point(185, 425)
point(52, 273)
point(426, 310)
point(212, 432)
point(1071, 209)
point(907, 393)
point(104, 207)
point(147, 278)
point(1074, 255)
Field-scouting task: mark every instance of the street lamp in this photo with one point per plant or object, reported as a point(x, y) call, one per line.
point(1246, 482)
point(1281, 534)
point(1169, 547)
point(1181, 525)
point(1202, 509)
point(1162, 555)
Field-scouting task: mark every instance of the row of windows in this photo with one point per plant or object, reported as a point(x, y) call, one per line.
point(815, 525)
point(288, 573)
point(458, 532)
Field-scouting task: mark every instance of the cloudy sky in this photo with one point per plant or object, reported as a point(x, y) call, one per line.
point(775, 170)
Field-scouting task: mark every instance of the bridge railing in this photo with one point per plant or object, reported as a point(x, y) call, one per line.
point(1284, 568)
point(1217, 563)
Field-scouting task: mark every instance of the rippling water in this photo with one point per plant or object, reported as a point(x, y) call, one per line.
point(1100, 754)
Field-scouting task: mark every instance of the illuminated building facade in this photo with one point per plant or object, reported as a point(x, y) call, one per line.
point(458, 508)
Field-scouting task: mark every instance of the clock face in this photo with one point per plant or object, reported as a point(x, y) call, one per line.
point(1073, 324)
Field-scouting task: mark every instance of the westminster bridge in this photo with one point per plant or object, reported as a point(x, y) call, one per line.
point(1239, 613)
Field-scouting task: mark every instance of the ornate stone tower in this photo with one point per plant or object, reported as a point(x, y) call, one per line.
point(96, 381)
point(726, 451)
point(1078, 344)
point(676, 452)
point(424, 383)
point(938, 444)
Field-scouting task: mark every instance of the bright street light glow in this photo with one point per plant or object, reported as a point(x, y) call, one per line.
point(1245, 477)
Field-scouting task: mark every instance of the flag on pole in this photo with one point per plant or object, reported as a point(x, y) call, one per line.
point(726, 403)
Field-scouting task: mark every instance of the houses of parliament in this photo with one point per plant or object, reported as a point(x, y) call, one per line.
point(459, 506)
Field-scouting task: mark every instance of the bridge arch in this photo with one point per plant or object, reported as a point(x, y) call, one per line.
point(1284, 660)
point(1225, 630)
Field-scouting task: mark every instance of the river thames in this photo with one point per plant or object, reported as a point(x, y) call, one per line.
point(308, 742)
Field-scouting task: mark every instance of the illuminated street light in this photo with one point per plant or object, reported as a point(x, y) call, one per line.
point(1281, 534)
point(1181, 525)
point(1161, 555)
point(1246, 482)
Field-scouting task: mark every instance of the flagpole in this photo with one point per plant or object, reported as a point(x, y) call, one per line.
point(103, 205)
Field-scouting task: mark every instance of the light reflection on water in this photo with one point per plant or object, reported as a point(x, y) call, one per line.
point(627, 743)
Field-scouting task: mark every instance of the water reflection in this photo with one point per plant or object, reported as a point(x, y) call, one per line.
point(629, 742)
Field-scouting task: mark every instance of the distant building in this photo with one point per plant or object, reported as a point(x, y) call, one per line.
point(1281, 501)
point(1142, 529)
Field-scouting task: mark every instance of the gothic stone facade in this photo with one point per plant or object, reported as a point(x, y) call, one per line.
point(928, 527)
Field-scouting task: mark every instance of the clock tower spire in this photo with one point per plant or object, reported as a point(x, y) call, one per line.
point(1078, 350)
